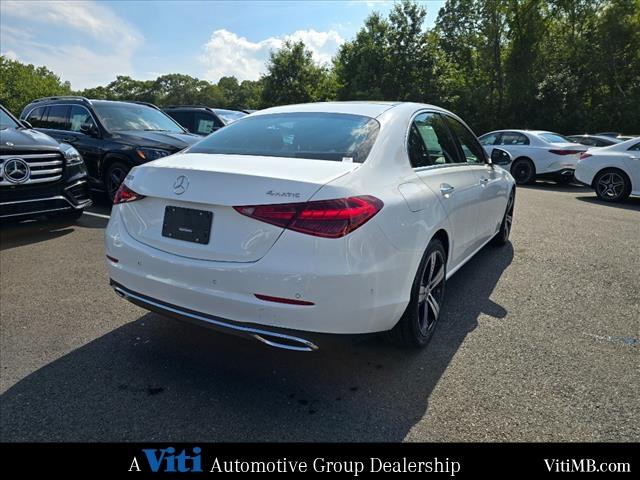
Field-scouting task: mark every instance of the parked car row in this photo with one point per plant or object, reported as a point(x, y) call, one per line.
point(108, 138)
point(607, 162)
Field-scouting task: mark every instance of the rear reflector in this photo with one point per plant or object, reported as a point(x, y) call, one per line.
point(323, 218)
point(112, 259)
point(566, 152)
point(288, 301)
point(126, 195)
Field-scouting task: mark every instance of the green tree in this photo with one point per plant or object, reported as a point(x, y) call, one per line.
point(21, 83)
point(293, 77)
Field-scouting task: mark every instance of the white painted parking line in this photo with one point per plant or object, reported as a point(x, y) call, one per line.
point(99, 215)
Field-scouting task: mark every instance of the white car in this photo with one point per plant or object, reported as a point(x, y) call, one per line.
point(338, 218)
point(613, 172)
point(536, 154)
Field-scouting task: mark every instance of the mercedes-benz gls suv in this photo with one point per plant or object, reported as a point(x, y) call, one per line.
point(38, 176)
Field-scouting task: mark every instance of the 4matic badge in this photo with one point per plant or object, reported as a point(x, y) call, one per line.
point(284, 194)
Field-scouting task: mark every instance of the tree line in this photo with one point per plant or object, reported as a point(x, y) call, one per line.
point(565, 65)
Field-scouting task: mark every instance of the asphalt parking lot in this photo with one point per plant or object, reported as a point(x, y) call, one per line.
point(538, 342)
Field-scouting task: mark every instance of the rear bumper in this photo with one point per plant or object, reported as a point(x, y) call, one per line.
point(271, 337)
point(562, 174)
point(360, 285)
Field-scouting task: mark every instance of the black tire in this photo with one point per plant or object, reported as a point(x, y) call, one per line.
point(612, 185)
point(114, 176)
point(502, 237)
point(523, 171)
point(417, 324)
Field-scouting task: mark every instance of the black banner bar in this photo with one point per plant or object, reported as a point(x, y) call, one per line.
point(452, 460)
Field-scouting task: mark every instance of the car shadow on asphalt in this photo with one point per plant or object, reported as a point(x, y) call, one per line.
point(631, 203)
point(18, 234)
point(556, 187)
point(156, 379)
point(14, 235)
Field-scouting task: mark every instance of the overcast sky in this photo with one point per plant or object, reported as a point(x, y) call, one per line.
point(89, 43)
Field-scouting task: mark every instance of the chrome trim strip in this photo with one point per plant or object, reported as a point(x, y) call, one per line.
point(45, 172)
point(31, 181)
point(45, 164)
point(35, 212)
point(32, 155)
point(255, 333)
point(57, 197)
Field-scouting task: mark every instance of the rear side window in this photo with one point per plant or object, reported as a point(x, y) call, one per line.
point(472, 151)
point(635, 148)
point(183, 118)
point(554, 138)
point(35, 117)
point(56, 117)
point(205, 123)
point(437, 140)
point(513, 138)
point(489, 139)
point(312, 135)
point(79, 116)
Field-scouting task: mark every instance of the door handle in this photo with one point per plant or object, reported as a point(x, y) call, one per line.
point(446, 189)
point(484, 181)
point(69, 139)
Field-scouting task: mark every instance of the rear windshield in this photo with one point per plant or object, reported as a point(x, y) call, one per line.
point(318, 136)
point(229, 116)
point(555, 138)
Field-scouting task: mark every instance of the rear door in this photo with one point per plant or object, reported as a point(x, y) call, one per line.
point(492, 199)
point(54, 121)
point(435, 158)
point(88, 145)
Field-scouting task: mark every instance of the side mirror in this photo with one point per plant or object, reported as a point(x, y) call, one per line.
point(26, 124)
point(89, 129)
point(500, 157)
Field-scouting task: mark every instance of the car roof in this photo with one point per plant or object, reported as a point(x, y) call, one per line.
point(598, 137)
point(366, 108)
point(517, 130)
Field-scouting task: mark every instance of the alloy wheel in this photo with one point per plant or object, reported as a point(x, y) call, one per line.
point(431, 292)
point(611, 185)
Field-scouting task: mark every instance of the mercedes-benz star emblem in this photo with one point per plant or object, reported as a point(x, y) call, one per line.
point(180, 185)
point(16, 170)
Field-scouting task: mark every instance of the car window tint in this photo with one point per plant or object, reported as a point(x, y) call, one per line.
point(205, 123)
point(183, 118)
point(56, 117)
point(635, 148)
point(418, 154)
point(554, 138)
point(437, 138)
point(514, 138)
point(489, 138)
point(79, 116)
point(338, 137)
point(35, 117)
point(471, 148)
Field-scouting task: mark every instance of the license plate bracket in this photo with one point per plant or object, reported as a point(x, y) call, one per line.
point(187, 224)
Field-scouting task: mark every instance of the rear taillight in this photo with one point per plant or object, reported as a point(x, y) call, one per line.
point(126, 195)
point(565, 152)
point(322, 218)
point(584, 155)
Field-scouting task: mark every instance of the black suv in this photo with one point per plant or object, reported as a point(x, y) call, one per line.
point(38, 176)
point(202, 120)
point(112, 137)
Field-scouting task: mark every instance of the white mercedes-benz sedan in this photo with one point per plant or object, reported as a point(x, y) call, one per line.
point(613, 172)
point(536, 154)
point(337, 218)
